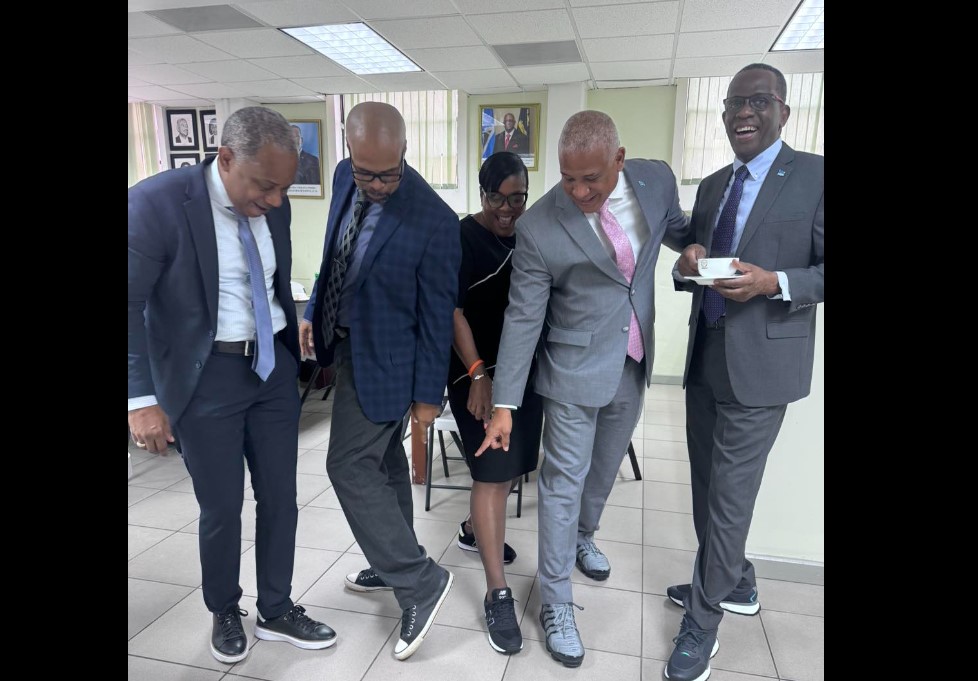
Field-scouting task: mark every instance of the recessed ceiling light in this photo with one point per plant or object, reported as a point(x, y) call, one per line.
point(806, 30)
point(356, 47)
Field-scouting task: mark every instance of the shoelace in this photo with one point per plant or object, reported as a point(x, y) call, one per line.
point(503, 615)
point(563, 613)
point(230, 625)
point(366, 575)
point(689, 639)
point(589, 548)
point(298, 615)
point(407, 620)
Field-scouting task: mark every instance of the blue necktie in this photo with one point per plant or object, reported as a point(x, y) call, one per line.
point(714, 305)
point(341, 261)
point(264, 360)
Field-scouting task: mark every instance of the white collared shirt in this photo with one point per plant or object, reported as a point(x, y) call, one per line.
point(624, 206)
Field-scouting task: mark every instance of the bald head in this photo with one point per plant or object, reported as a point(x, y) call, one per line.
point(588, 131)
point(381, 123)
point(376, 137)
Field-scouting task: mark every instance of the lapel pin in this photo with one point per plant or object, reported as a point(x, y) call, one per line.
point(780, 172)
point(641, 184)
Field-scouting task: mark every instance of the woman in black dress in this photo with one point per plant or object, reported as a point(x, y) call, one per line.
point(488, 239)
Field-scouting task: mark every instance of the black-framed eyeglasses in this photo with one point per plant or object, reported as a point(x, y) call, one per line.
point(386, 177)
point(515, 200)
point(758, 102)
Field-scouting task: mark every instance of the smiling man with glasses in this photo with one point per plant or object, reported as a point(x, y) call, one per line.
point(383, 312)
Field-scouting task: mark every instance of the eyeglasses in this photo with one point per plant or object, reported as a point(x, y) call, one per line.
point(515, 200)
point(758, 102)
point(386, 178)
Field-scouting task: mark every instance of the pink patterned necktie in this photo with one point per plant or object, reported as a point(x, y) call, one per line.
point(625, 259)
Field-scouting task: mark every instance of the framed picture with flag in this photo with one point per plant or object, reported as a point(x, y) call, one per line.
point(510, 127)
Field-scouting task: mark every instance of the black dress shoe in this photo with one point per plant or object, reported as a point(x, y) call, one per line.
point(229, 643)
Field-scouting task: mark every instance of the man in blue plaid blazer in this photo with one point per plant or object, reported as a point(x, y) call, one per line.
point(387, 327)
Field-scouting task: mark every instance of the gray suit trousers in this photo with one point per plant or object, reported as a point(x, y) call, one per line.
point(728, 448)
point(369, 470)
point(583, 448)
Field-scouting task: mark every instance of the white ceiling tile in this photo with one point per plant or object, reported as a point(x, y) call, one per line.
point(592, 3)
point(494, 90)
point(482, 79)
point(550, 74)
point(722, 43)
point(399, 9)
point(312, 66)
point(712, 66)
point(165, 74)
point(185, 102)
point(618, 20)
point(229, 71)
point(808, 61)
point(273, 88)
point(176, 49)
point(526, 27)
point(712, 15)
point(155, 93)
point(454, 58)
point(334, 86)
point(142, 25)
point(133, 100)
point(251, 44)
point(517, 8)
point(304, 99)
point(212, 91)
point(140, 59)
point(629, 48)
point(620, 84)
point(407, 34)
point(148, 5)
point(403, 82)
point(298, 12)
point(626, 70)
point(135, 82)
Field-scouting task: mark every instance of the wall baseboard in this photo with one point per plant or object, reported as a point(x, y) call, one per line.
point(787, 570)
point(667, 380)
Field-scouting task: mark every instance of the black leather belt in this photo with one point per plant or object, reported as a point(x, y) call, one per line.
point(246, 348)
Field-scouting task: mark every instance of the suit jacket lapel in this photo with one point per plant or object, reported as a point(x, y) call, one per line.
point(282, 245)
point(643, 195)
point(773, 183)
point(579, 229)
point(712, 193)
point(201, 219)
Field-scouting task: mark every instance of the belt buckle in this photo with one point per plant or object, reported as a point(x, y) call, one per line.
point(249, 348)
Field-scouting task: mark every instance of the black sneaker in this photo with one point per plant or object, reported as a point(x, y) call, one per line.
point(690, 661)
point(741, 604)
point(297, 628)
point(504, 631)
point(229, 643)
point(417, 620)
point(366, 581)
point(466, 542)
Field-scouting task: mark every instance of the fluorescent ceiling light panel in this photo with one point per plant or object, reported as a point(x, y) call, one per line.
point(806, 30)
point(355, 47)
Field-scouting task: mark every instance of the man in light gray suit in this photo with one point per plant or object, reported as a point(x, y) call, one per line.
point(751, 348)
point(583, 265)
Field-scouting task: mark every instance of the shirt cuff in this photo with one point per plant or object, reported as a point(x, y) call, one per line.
point(505, 406)
point(676, 275)
point(785, 294)
point(141, 402)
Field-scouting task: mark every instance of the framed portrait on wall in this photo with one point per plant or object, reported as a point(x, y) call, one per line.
point(308, 137)
point(181, 125)
point(184, 160)
point(208, 130)
point(510, 127)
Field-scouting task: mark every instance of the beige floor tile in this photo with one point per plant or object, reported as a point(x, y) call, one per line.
point(801, 599)
point(619, 523)
point(664, 567)
point(743, 646)
point(158, 471)
point(627, 492)
point(534, 663)
point(312, 462)
point(310, 565)
point(447, 654)
point(668, 496)
point(142, 538)
point(323, 528)
point(137, 494)
point(154, 670)
point(149, 600)
point(665, 470)
point(653, 431)
point(798, 643)
point(664, 449)
point(669, 530)
point(611, 620)
point(164, 510)
point(329, 591)
point(626, 566)
point(524, 542)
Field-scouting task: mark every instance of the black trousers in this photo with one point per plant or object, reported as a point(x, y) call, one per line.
point(234, 418)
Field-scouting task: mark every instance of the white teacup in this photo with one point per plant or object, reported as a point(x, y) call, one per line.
point(717, 267)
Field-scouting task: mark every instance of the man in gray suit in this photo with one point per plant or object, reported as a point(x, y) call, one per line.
point(751, 348)
point(583, 264)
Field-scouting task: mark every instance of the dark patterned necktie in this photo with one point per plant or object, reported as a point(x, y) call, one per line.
point(341, 261)
point(264, 360)
point(714, 305)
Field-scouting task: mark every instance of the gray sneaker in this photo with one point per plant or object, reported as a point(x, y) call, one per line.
point(592, 562)
point(563, 640)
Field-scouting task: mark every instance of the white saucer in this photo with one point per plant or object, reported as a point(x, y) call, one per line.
point(707, 281)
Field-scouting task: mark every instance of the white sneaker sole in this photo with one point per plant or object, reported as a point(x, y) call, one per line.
point(503, 650)
point(228, 659)
point(466, 547)
point(266, 635)
point(353, 586)
point(736, 608)
point(416, 643)
point(705, 675)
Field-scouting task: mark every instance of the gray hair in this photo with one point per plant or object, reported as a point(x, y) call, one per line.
point(586, 131)
point(248, 130)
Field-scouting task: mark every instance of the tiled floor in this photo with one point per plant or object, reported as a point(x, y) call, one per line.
point(627, 624)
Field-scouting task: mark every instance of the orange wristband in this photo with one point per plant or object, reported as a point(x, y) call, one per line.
point(475, 365)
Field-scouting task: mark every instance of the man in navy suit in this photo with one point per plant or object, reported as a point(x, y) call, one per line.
point(385, 300)
point(213, 359)
point(751, 348)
